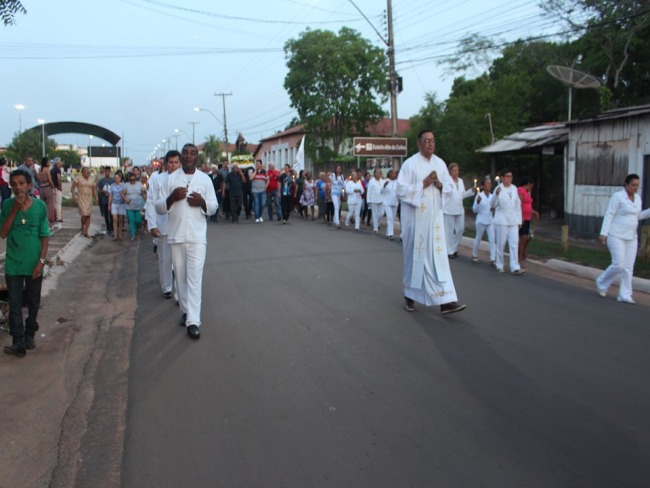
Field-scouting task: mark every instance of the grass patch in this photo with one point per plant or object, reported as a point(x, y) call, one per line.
point(587, 255)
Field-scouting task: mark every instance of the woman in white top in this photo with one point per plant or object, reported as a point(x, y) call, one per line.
point(454, 212)
point(354, 190)
point(507, 220)
point(390, 201)
point(619, 233)
point(374, 198)
point(484, 220)
point(338, 181)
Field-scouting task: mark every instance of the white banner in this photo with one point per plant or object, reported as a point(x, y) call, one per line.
point(299, 162)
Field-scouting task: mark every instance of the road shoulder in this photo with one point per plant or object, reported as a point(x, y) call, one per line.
point(78, 372)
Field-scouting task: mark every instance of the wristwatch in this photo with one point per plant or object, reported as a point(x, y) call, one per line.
point(42, 261)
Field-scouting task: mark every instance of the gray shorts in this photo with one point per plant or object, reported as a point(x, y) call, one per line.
point(118, 208)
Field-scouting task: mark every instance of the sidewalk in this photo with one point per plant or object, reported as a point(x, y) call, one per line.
point(65, 244)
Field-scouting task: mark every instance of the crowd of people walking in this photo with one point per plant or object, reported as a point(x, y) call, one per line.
point(175, 202)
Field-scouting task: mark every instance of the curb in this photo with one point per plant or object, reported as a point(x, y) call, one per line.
point(639, 284)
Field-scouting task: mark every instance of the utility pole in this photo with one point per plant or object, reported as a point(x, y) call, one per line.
point(393, 75)
point(193, 131)
point(391, 67)
point(225, 125)
point(390, 43)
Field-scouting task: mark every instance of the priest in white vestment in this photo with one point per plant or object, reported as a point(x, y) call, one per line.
point(422, 180)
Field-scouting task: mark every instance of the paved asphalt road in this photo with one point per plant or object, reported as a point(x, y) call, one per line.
point(309, 373)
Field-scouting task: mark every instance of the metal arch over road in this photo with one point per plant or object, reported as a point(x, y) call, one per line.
point(54, 128)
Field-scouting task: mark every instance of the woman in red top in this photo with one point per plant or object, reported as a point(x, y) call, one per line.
point(527, 213)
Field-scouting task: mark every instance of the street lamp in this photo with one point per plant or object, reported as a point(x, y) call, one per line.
point(193, 130)
point(176, 131)
point(20, 107)
point(42, 122)
point(199, 109)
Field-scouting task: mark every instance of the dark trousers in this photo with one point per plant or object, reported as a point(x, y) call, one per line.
point(285, 201)
point(226, 204)
point(108, 218)
point(235, 206)
point(5, 192)
point(330, 211)
point(248, 203)
point(273, 198)
point(366, 213)
point(17, 328)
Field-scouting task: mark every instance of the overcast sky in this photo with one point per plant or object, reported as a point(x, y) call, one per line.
point(139, 67)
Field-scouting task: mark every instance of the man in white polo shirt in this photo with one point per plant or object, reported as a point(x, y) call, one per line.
point(157, 223)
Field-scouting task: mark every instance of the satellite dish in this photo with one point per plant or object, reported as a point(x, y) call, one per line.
point(572, 77)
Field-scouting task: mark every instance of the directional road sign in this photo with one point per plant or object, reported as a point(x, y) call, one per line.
point(380, 146)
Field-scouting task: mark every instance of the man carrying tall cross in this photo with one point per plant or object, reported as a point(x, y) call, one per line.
point(422, 180)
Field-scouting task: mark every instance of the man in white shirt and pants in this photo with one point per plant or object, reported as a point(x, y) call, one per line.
point(157, 223)
point(188, 197)
point(422, 181)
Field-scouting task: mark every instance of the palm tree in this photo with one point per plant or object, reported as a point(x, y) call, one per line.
point(9, 9)
point(212, 149)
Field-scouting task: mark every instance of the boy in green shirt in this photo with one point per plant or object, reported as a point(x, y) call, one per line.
point(24, 222)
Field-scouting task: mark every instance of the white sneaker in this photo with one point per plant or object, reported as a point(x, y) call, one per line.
point(626, 300)
point(261, 220)
point(475, 260)
point(501, 270)
point(601, 292)
point(257, 221)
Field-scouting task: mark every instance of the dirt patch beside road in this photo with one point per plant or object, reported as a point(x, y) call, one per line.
point(77, 372)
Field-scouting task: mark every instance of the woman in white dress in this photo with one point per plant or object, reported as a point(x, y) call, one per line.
point(454, 211)
point(354, 191)
point(390, 201)
point(307, 198)
point(338, 181)
point(374, 198)
point(484, 219)
point(619, 233)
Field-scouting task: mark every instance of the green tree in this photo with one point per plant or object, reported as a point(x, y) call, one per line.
point(68, 156)
point(29, 143)
point(337, 83)
point(212, 149)
point(9, 9)
point(516, 91)
point(475, 53)
point(614, 30)
point(428, 117)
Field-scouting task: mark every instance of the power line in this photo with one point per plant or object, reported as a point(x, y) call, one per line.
point(58, 52)
point(240, 18)
point(368, 20)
